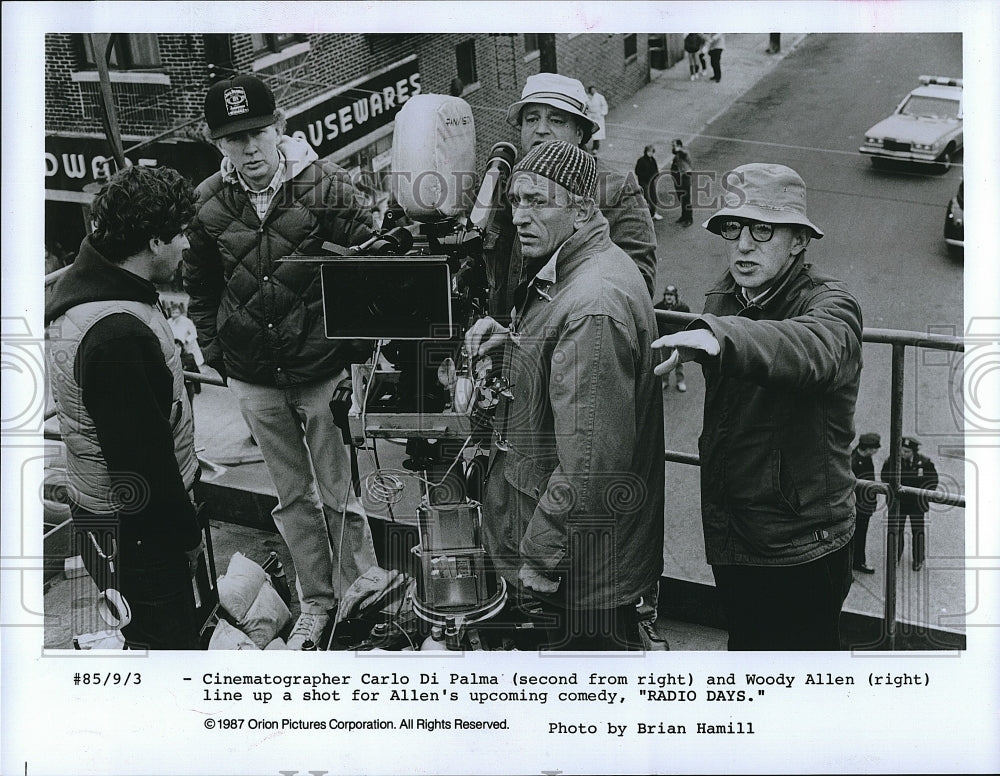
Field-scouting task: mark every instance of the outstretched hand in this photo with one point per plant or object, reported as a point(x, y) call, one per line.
point(686, 345)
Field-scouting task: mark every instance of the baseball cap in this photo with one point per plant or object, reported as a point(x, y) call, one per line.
point(238, 104)
point(556, 90)
point(771, 193)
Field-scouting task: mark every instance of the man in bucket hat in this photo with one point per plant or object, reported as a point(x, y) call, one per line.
point(554, 107)
point(780, 347)
point(574, 502)
point(260, 324)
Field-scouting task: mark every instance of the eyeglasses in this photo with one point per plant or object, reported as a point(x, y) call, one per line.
point(761, 231)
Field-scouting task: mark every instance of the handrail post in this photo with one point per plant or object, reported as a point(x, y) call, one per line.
point(893, 534)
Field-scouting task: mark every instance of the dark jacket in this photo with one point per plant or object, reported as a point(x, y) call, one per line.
point(123, 411)
point(865, 496)
point(621, 202)
point(646, 169)
point(776, 481)
point(920, 472)
point(259, 318)
point(579, 492)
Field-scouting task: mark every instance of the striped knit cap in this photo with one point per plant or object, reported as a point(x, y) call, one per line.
point(564, 163)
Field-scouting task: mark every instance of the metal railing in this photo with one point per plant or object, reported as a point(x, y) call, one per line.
point(899, 341)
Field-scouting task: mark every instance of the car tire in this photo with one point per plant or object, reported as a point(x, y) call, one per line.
point(878, 163)
point(944, 161)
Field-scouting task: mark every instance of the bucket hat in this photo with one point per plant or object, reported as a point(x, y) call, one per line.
point(556, 90)
point(764, 192)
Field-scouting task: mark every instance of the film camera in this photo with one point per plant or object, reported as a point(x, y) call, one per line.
point(410, 292)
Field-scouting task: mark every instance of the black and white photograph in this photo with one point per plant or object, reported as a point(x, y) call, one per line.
point(608, 398)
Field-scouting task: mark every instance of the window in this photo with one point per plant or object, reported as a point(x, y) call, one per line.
point(631, 47)
point(129, 52)
point(465, 62)
point(272, 43)
point(530, 43)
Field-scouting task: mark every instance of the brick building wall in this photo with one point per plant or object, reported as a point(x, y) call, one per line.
point(332, 60)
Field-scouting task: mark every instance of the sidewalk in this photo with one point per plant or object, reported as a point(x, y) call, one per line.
point(672, 106)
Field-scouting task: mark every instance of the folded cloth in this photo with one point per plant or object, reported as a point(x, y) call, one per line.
point(227, 636)
point(239, 587)
point(253, 605)
point(267, 615)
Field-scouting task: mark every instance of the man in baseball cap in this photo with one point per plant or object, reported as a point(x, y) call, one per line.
point(780, 348)
point(554, 107)
point(585, 423)
point(273, 197)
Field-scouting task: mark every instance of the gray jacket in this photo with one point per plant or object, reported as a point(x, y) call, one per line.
point(578, 493)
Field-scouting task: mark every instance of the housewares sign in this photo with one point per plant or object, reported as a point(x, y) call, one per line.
point(336, 121)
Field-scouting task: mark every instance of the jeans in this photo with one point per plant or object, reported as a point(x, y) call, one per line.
point(318, 515)
point(785, 607)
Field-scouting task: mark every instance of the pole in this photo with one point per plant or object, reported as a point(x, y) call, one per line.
point(102, 43)
point(893, 534)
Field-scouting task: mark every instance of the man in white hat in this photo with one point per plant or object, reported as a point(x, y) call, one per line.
point(780, 347)
point(554, 107)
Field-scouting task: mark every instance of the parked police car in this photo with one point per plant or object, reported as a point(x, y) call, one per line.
point(926, 126)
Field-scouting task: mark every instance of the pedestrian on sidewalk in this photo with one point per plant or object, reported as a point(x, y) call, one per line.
point(671, 301)
point(716, 44)
point(260, 324)
point(915, 471)
point(186, 336)
point(780, 348)
point(646, 171)
point(865, 497)
point(123, 412)
point(680, 171)
point(553, 107)
point(597, 109)
point(693, 44)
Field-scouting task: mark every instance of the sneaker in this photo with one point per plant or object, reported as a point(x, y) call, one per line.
point(309, 627)
point(657, 217)
point(682, 387)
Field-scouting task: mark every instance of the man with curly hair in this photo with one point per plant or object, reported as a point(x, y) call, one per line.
point(125, 417)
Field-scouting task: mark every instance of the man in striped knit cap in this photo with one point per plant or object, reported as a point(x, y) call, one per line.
point(574, 499)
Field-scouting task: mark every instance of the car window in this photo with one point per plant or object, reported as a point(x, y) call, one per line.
point(930, 107)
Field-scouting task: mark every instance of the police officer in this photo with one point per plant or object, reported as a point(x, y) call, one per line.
point(915, 471)
point(866, 498)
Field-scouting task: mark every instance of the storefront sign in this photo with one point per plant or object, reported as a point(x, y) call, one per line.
point(73, 161)
point(356, 110)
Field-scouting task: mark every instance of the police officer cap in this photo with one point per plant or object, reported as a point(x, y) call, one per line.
point(911, 442)
point(870, 440)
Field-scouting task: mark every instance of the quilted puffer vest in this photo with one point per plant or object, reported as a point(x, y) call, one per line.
point(87, 471)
